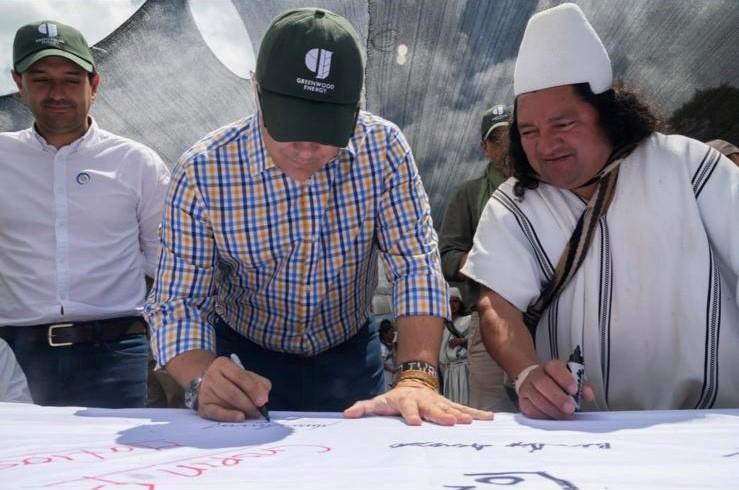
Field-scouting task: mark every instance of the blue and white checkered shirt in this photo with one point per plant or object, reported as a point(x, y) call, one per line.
point(291, 265)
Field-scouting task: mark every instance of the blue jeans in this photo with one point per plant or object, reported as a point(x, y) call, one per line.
point(327, 382)
point(104, 374)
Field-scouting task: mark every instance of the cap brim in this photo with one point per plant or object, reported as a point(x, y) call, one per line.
point(29, 60)
point(493, 127)
point(294, 119)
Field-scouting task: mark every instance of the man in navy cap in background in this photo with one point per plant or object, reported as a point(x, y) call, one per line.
point(455, 241)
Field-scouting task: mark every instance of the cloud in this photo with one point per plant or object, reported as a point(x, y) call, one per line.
point(223, 31)
point(666, 50)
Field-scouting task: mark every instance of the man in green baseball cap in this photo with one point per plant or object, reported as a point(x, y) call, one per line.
point(313, 94)
point(80, 209)
point(271, 235)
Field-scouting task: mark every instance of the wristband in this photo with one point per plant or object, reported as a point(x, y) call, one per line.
point(424, 366)
point(523, 375)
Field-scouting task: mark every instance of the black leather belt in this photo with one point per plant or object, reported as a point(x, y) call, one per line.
point(64, 334)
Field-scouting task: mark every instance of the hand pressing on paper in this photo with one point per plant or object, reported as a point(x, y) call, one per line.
point(546, 392)
point(416, 402)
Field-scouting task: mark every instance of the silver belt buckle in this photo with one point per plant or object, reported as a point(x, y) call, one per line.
point(50, 334)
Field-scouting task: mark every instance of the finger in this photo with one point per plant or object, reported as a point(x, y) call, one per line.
point(436, 412)
point(587, 393)
point(557, 370)
point(223, 392)
point(216, 412)
point(528, 409)
point(460, 417)
point(408, 408)
point(376, 406)
point(543, 404)
point(256, 387)
point(550, 390)
point(448, 407)
point(473, 412)
point(359, 409)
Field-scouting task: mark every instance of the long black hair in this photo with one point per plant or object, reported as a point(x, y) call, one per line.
point(625, 120)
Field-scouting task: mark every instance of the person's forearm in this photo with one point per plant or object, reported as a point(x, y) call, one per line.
point(419, 338)
point(504, 333)
point(189, 365)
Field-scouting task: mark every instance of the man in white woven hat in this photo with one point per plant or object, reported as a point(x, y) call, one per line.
point(612, 238)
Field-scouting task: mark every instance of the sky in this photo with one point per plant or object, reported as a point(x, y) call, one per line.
point(217, 20)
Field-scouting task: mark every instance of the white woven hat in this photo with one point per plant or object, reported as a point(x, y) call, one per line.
point(560, 47)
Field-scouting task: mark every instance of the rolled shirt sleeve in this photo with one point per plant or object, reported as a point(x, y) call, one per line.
point(407, 239)
point(183, 291)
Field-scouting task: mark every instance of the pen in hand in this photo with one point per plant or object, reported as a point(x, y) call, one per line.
point(263, 409)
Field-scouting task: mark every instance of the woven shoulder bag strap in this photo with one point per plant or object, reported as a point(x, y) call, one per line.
point(577, 246)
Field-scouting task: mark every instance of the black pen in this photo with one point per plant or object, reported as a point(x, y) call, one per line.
point(576, 365)
point(263, 408)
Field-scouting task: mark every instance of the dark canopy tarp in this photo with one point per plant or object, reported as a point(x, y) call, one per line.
point(433, 67)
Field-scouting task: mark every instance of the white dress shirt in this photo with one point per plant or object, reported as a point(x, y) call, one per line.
point(78, 226)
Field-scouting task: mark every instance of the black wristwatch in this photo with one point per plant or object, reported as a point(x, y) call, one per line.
point(191, 393)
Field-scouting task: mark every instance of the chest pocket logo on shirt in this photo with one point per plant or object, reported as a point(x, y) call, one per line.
point(83, 178)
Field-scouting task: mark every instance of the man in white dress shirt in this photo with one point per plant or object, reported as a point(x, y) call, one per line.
point(79, 213)
point(611, 237)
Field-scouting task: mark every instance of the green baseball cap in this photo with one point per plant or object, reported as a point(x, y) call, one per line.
point(50, 38)
point(310, 70)
point(495, 117)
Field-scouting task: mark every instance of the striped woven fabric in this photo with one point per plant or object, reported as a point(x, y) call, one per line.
point(577, 246)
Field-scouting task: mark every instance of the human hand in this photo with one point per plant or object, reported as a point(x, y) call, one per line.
point(230, 394)
point(415, 402)
point(547, 391)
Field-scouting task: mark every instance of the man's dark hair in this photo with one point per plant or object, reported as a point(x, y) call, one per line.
point(385, 326)
point(625, 119)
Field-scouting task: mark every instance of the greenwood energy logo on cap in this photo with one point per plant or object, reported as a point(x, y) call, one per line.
point(50, 38)
point(319, 62)
point(49, 29)
point(310, 71)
